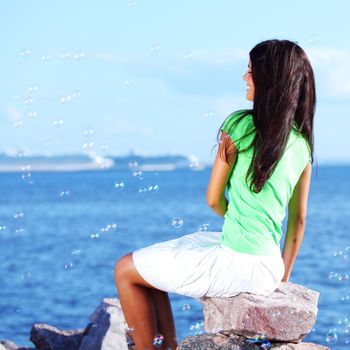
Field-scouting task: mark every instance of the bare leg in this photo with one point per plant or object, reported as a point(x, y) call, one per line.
point(146, 309)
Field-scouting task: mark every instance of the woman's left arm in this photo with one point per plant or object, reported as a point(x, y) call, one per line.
point(220, 175)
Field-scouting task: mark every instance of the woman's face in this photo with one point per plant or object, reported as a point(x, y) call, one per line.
point(250, 85)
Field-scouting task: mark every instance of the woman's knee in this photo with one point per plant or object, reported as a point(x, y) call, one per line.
point(123, 267)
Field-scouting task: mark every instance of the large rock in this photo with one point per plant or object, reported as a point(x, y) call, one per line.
point(47, 337)
point(107, 328)
point(234, 342)
point(287, 314)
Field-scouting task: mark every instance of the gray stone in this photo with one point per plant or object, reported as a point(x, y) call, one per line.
point(10, 345)
point(47, 337)
point(107, 328)
point(234, 342)
point(287, 314)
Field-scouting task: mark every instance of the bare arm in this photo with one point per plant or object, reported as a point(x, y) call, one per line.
point(219, 177)
point(297, 209)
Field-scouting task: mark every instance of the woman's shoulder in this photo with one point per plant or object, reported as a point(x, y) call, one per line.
point(238, 116)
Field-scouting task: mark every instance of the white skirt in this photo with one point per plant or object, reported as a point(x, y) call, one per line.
point(198, 265)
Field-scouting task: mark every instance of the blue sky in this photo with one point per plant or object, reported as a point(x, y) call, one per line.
point(154, 76)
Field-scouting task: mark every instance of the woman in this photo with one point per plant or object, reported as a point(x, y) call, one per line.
point(264, 159)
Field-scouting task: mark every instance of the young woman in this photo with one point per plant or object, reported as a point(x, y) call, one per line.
point(264, 160)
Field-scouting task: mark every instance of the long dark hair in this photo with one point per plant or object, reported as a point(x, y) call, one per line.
point(284, 95)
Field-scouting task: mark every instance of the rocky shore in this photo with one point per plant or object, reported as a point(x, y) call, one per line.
point(280, 320)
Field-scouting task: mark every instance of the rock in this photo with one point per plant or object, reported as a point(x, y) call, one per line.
point(10, 345)
point(46, 337)
point(287, 314)
point(234, 342)
point(107, 328)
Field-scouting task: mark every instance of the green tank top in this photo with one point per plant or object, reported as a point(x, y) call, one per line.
point(253, 221)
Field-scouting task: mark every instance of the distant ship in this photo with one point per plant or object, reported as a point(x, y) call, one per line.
point(82, 162)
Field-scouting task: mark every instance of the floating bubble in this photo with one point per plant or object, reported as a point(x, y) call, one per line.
point(314, 39)
point(66, 55)
point(18, 310)
point(133, 165)
point(196, 328)
point(32, 114)
point(94, 236)
point(79, 55)
point(119, 185)
point(46, 57)
point(19, 230)
point(186, 307)
point(32, 88)
point(194, 165)
point(64, 194)
point(29, 101)
point(158, 340)
point(208, 114)
point(343, 277)
point(131, 3)
point(24, 52)
point(203, 228)
point(265, 345)
point(68, 266)
point(58, 122)
point(26, 275)
point(137, 173)
point(88, 145)
point(89, 132)
point(18, 215)
point(18, 123)
point(143, 189)
point(177, 222)
point(104, 147)
point(155, 48)
point(345, 298)
point(332, 275)
point(332, 336)
point(22, 154)
point(26, 176)
point(15, 97)
point(128, 82)
point(109, 227)
point(3, 227)
point(188, 56)
point(76, 252)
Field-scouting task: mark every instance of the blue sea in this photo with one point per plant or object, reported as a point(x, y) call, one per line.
point(61, 234)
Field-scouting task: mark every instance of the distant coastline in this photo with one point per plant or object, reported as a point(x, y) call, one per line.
point(84, 162)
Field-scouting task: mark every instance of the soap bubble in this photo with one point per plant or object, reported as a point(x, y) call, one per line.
point(208, 114)
point(332, 275)
point(45, 57)
point(314, 39)
point(137, 173)
point(203, 228)
point(177, 222)
point(131, 3)
point(24, 52)
point(119, 185)
point(88, 145)
point(19, 230)
point(155, 48)
point(128, 82)
point(158, 340)
point(332, 336)
point(265, 345)
point(79, 55)
point(186, 307)
point(58, 122)
point(3, 227)
point(94, 236)
point(65, 55)
point(345, 298)
point(68, 266)
point(18, 215)
point(32, 88)
point(188, 56)
point(109, 227)
point(133, 165)
point(18, 123)
point(343, 277)
point(32, 114)
point(29, 101)
point(143, 189)
point(26, 275)
point(64, 194)
point(89, 132)
point(196, 328)
point(76, 252)
point(104, 147)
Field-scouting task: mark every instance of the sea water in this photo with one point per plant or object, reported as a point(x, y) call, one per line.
point(61, 234)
